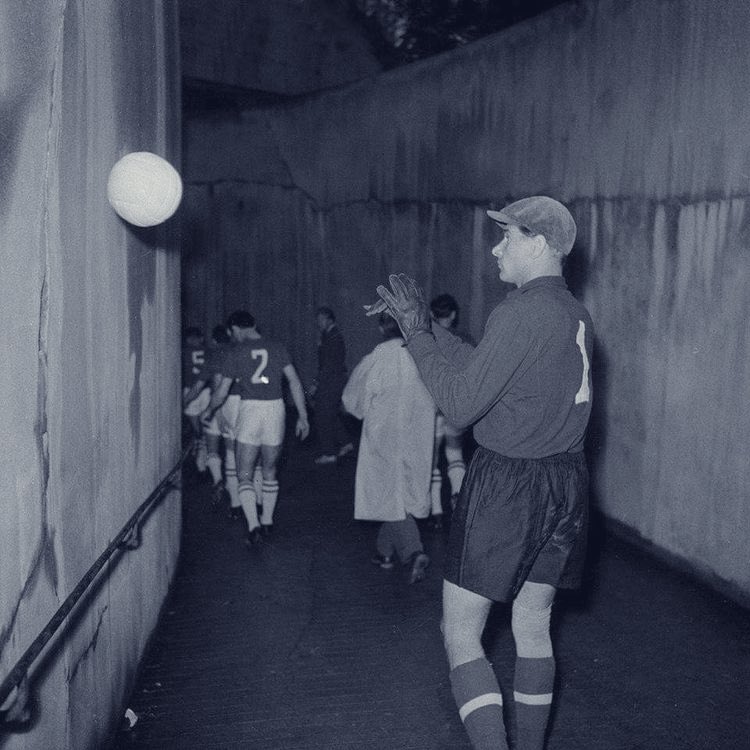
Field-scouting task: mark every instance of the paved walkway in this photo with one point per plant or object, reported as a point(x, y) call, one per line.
point(305, 645)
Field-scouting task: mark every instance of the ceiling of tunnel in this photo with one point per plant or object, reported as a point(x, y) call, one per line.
point(245, 52)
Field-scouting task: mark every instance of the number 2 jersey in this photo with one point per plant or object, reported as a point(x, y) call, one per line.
point(526, 387)
point(255, 366)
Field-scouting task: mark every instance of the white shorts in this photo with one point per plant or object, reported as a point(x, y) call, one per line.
point(261, 422)
point(224, 421)
point(199, 404)
point(443, 428)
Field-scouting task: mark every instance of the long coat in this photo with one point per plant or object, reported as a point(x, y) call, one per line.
point(394, 465)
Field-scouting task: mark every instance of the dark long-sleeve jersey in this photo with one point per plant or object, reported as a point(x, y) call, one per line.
point(331, 355)
point(526, 387)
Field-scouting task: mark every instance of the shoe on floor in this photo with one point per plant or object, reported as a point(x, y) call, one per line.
point(383, 561)
point(436, 522)
point(235, 513)
point(420, 561)
point(325, 459)
point(345, 450)
point(253, 538)
point(266, 529)
point(454, 500)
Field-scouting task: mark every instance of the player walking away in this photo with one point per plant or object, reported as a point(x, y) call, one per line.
point(256, 365)
point(444, 310)
point(392, 481)
point(195, 391)
point(518, 532)
point(220, 427)
point(327, 388)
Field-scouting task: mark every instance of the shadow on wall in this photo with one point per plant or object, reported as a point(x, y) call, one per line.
point(578, 273)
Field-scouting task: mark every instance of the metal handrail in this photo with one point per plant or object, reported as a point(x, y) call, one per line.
point(128, 538)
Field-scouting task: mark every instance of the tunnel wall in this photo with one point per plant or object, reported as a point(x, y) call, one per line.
point(90, 342)
point(284, 47)
point(632, 112)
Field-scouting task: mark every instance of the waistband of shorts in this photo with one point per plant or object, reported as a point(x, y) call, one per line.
point(555, 458)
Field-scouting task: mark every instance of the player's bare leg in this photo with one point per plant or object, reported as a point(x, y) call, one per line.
point(473, 682)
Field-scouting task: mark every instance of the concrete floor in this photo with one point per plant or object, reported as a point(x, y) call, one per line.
point(304, 644)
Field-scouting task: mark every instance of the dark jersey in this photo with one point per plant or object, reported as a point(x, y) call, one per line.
point(193, 363)
point(256, 367)
point(526, 387)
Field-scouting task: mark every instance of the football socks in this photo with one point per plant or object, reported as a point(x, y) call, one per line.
point(480, 704)
point(231, 482)
point(436, 486)
point(247, 501)
point(270, 496)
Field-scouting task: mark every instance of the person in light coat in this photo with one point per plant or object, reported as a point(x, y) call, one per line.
point(394, 464)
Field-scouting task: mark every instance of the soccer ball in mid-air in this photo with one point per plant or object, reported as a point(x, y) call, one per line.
point(144, 189)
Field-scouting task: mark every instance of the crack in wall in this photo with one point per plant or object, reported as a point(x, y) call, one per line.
point(90, 648)
point(42, 558)
point(370, 200)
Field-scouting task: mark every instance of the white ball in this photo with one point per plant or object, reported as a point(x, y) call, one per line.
point(144, 189)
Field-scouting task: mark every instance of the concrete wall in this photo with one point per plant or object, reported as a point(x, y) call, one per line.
point(90, 342)
point(284, 47)
point(634, 113)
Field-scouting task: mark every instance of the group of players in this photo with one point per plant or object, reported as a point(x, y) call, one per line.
point(518, 530)
point(233, 402)
point(233, 392)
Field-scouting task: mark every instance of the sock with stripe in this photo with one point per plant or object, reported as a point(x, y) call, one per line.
point(532, 691)
point(480, 704)
point(201, 454)
point(247, 501)
point(270, 496)
point(436, 486)
point(231, 483)
point(456, 469)
point(535, 663)
point(213, 462)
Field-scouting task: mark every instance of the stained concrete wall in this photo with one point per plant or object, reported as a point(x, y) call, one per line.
point(90, 341)
point(283, 47)
point(632, 112)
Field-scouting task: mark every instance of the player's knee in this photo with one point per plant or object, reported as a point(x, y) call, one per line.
point(456, 635)
point(269, 473)
point(461, 645)
point(531, 631)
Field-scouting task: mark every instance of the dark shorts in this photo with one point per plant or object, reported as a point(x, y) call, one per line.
point(516, 520)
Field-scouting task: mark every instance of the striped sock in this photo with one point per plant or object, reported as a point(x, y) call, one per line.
point(436, 486)
point(480, 704)
point(270, 496)
point(231, 482)
point(247, 500)
point(201, 454)
point(213, 462)
point(532, 691)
